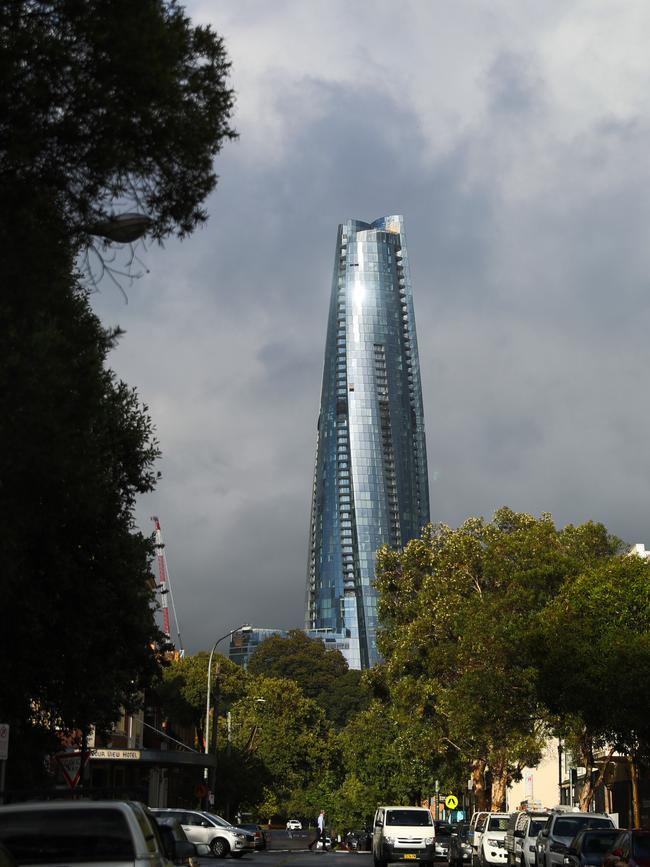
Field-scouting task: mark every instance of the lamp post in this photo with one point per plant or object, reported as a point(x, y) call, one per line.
point(245, 627)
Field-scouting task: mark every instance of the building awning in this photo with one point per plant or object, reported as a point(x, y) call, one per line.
point(169, 758)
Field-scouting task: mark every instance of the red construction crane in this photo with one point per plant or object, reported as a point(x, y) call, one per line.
point(165, 586)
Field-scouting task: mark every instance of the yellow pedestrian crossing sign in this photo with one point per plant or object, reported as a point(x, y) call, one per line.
point(451, 802)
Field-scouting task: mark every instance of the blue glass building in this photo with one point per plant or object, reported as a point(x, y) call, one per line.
point(370, 478)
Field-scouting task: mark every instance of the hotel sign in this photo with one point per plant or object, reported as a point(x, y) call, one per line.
point(116, 754)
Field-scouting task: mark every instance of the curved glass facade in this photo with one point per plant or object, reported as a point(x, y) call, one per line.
point(370, 479)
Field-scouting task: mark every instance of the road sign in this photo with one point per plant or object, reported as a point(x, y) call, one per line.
point(451, 802)
point(72, 766)
point(4, 741)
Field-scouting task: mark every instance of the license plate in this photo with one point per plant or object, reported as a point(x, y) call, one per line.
point(410, 855)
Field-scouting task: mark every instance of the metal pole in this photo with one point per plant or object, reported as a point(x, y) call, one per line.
point(243, 627)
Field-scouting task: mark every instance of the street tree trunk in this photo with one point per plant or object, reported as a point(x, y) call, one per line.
point(634, 779)
point(586, 755)
point(478, 783)
point(500, 780)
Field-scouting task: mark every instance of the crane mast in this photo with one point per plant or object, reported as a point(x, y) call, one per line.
point(164, 586)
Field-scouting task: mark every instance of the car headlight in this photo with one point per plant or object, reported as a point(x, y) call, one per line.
point(465, 847)
point(493, 842)
point(429, 840)
point(389, 840)
point(240, 836)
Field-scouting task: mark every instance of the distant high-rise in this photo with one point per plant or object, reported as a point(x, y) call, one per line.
point(370, 479)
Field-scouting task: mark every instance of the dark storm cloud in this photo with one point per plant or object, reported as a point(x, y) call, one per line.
point(514, 141)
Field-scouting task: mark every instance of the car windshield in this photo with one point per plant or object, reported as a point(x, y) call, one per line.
point(405, 818)
point(66, 836)
point(535, 827)
point(498, 823)
point(597, 844)
point(568, 826)
point(443, 830)
point(641, 845)
point(218, 820)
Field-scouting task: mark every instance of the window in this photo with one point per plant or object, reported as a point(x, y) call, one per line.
point(420, 818)
point(43, 836)
point(498, 823)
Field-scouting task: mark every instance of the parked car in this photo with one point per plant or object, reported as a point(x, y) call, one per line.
point(589, 847)
point(441, 843)
point(460, 850)
point(630, 849)
point(106, 833)
point(476, 825)
point(560, 829)
point(202, 827)
point(294, 825)
point(176, 842)
point(521, 837)
point(403, 833)
point(262, 837)
point(492, 845)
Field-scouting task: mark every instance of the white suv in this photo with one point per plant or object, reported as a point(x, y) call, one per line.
point(492, 848)
point(222, 837)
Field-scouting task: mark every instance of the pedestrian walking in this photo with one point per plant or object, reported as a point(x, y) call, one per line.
point(321, 831)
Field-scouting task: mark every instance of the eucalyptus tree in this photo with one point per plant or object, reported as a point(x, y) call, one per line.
point(457, 609)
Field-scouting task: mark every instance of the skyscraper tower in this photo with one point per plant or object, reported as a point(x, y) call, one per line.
point(370, 478)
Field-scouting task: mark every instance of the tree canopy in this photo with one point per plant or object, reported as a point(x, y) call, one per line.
point(110, 103)
point(77, 447)
point(458, 612)
point(321, 673)
point(104, 107)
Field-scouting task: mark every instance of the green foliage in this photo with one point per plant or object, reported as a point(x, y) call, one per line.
point(594, 650)
point(285, 737)
point(107, 103)
point(321, 674)
point(458, 612)
point(183, 689)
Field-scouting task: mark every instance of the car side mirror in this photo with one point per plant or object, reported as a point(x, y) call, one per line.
point(205, 824)
point(544, 832)
point(379, 824)
point(518, 834)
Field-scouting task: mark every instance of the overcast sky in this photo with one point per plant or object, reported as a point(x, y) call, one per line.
point(514, 137)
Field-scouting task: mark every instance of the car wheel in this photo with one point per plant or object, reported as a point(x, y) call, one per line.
point(219, 847)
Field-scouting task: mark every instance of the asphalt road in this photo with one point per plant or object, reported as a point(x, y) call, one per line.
point(293, 851)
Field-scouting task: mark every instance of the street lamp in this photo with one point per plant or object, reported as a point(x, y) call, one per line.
point(121, 228)
point(245, 627)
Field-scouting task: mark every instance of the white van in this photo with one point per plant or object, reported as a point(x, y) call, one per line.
point(403, 834)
